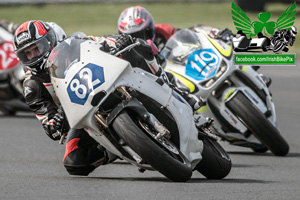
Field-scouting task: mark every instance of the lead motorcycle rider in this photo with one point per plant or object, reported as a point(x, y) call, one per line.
point(34, 41)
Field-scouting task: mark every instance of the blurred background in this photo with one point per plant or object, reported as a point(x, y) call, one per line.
point(99, 17)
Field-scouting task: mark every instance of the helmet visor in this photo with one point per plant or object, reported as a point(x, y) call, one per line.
point(32, 53)
point(143, 34)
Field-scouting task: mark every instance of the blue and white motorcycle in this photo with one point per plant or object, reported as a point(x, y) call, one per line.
point(237, 97)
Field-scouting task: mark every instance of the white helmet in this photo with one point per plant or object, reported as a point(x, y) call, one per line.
point(137, 22)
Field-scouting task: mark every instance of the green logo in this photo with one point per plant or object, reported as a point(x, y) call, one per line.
point(266, 27)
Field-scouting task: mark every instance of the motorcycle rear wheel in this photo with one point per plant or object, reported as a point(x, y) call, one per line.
point(157, 156)
point(215, 163)
point(258, 124)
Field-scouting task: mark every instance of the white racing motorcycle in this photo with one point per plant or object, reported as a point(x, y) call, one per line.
point(236, 96)
point(11, 77)
point(132, 113)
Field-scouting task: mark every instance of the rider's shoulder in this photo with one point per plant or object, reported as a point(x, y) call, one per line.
point(60, 33)
point(31, 82)
point(165, 29)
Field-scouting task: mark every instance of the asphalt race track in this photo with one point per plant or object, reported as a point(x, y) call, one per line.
point(31, 166)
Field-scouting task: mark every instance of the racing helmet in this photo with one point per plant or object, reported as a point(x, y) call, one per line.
point(137, 22)
point(33, 42)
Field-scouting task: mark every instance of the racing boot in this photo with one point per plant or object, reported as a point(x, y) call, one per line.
point(83, 154)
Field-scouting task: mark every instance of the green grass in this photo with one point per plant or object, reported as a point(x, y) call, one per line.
point(101, 19)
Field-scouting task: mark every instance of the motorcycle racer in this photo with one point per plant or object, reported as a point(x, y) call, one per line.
point(33, 42)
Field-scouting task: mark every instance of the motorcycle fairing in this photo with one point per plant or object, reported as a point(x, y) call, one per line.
point(88, 74)
point(90, 77)
point(224, 49)
point(202, 64)
point(8, 58)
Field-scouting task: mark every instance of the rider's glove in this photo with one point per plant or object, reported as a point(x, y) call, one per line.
point(123, 41)
point(60, 123)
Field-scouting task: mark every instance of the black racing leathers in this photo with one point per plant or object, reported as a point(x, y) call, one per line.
point(39, 96)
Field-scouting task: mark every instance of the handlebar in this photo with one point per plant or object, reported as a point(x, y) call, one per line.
point(117, 53)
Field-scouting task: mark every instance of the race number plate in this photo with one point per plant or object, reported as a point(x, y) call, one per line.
point(84, 82)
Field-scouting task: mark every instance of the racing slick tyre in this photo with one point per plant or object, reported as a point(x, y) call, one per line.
point(258, 124)
point(215, 163)
point(260, 150)
point(174, 167)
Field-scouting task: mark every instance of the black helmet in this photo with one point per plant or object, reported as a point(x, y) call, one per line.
point(33, 42)
point(137, 22)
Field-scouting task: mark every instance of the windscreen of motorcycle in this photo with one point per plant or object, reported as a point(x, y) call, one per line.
point(180, 46)
point(184, 48)
point(63, 56)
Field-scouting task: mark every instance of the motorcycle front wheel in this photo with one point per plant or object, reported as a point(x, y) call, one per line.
point(160, 158)
point(258, 124)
